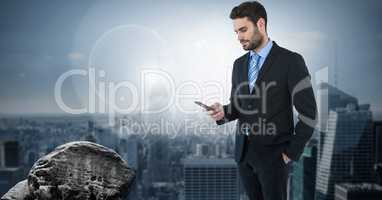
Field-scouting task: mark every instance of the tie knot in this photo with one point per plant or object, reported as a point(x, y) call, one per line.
point(255, 57)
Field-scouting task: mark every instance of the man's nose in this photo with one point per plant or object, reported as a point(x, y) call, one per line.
point(239, 37)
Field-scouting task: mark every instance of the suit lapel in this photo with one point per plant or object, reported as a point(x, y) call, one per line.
point(266, 65)
point(244, 72)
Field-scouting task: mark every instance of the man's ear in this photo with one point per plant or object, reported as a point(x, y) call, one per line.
point(261, 24)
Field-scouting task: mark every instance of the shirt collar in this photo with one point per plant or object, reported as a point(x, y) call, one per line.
point(264, 51)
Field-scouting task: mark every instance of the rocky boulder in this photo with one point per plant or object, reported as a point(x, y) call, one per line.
point(77, 170)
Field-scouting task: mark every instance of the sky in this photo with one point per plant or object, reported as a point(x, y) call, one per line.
point(188, 41)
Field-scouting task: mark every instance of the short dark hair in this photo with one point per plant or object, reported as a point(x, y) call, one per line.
point(251, 9)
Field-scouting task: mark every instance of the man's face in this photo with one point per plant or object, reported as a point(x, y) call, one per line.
point(248, 33)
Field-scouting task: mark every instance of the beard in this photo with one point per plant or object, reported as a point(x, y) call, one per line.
point(255, 42)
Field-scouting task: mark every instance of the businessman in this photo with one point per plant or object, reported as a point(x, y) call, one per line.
point(267, 82)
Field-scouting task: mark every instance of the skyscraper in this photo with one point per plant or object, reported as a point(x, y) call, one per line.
point(211, 179)
point(378, 141)
point(10, 169)
point(347, 153)
point(304, 174)
point(330, 99)
point(364, 191)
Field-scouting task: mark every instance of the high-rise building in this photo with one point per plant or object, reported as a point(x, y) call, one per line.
point(304, 174)
point(129, 150)
point(377, 127)
point(211, 179)
point(330, 99)
point(364, 191)
point(158, 159)
point(91, 136)
point(347, 153)
point(202, 150)
point(10, 169)
point(378, 172)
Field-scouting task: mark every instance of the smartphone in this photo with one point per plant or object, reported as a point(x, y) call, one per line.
point(203, 105)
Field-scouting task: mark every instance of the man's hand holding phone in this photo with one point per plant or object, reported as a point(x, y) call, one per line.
point(217, 112)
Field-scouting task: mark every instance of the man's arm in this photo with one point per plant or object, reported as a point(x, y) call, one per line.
point(230, 111)
point(301, 91)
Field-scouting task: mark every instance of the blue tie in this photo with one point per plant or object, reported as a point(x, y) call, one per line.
point(253, 70)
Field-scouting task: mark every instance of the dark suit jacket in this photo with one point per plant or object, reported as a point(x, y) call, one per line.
point(283, 82)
